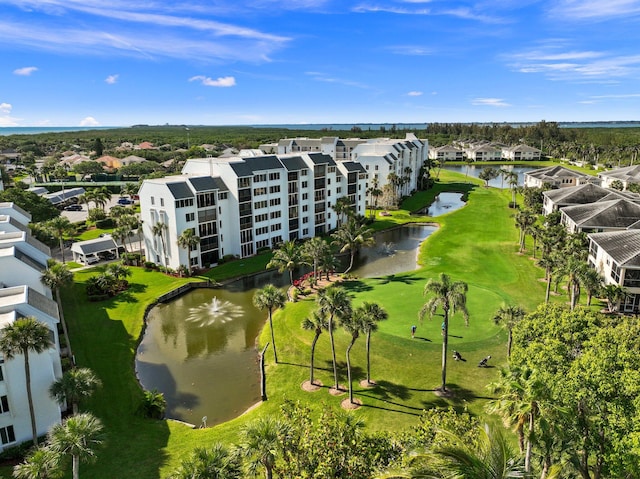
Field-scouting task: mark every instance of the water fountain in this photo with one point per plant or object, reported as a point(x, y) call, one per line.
point(207, 314)
point(388, 248)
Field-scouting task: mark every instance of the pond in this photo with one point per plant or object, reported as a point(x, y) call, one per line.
point(200, 349)
point(499, 182)
point(445, 202)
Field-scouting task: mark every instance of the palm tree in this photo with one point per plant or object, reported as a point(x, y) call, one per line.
point(614, 294)
point(159, 230)
point(575, 270)
point(334, 303)
point(270, 298)
point(74, 385)
point(452, 297)
point(351, 236)
point(260, 443)
point(129, 189)
point(41, 463)
point(100, 196)
point(343, 208)
point(215, 462)
point(592, 283)
point(354, 325)
point(313, 251)
point(316, 323)
point(57, 276)
point(524, 219)
point(128, 223)
point(189, 241)
point(59, 227)
point(372, 314)
point(286, 258)
point(78, 436)
point(509, 316)
point(24, 336)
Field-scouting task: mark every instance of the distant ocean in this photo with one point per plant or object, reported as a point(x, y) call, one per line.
point(32, 130)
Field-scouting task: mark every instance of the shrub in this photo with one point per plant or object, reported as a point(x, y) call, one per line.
point(96, 214)
point(153, 404)
point(150, 265)
point(105, 223)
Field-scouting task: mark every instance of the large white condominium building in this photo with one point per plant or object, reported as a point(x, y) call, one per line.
point(22, 261)
point(237, 206)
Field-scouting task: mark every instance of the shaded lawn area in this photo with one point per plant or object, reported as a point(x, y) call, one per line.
point(476, 244)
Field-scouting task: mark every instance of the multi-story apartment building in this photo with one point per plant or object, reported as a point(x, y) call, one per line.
point(237, 206)
point(22, 261)
point(446, 153)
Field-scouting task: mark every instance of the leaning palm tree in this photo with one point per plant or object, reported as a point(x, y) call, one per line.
point(160, 230)
point(78, 436)
point(354, 325)
point(509, 316)
point(451, 297)
point(73, 386)
point(59, 227)
point(351, 236)
point(286, 258)
point(24, 336)
point(592, 283)
point(41, 463)
point(316, 323)
point(270, 298)
point(313, 251)
point(57, 276)
point(259, 443)
point(215, 461)
point(372, 314)
point(334, 303)
point(189, 241)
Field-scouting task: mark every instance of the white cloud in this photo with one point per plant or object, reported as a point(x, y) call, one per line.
point(498, 102)
point(595, 9)
point(25, 71)
point(5, 115)
point(111, 79)
point(89, 121)
point(319, 76)
point(5, 108)
point(413, 50)
point(414, 93)
point(219, 82)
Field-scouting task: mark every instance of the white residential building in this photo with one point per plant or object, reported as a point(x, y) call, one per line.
point(22, 294)
point(616, 256)
point(483, 152)
point(521, 153)
point(626, 175)
point(237, 206)
point(557, 177)
point(446, 153)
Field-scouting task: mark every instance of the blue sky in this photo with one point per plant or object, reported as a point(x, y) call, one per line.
point(228, 62)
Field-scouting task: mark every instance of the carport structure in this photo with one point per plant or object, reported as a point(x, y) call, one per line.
point(82, 250)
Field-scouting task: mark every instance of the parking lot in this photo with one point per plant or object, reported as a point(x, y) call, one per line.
point(77, 216)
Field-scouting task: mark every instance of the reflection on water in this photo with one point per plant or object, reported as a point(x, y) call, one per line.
point(500, 181)
point(443, 203)
point(199, 350)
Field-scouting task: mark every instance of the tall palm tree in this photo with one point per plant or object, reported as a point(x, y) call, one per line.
point(343, 208)
point(352, 236)
point(41, 463)
point(189, 241)
point(451, 297)
point(354, 325)
point(160, 230)
point(614, 294)
point(73, 386)
point(260, 443)
point(575, 270)
point(334, 303)
point(77, 436)
point(215, 462)
point(24, 336)
point(592, 283)
point(286, 258)
point(59, 227)
point(128, 223)
point(57, 276)
point(270, 298)
point(509, 316)
point(100, 197)
point(524, 219)
point(316, 323)
point(372, 314)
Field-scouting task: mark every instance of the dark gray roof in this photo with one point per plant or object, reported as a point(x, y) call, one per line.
point(321, 159)
point(628, 173)
point(604, 214)
point(180, 190)
point(577, 195)
point(551, 173)
point(97, 245)
point(353, 166)
point(622, 246)
point(294, 163)
point(248, 166)
point(208, 183)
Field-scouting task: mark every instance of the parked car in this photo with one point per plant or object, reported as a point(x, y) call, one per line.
point(73, 208)
point(124, 201)
point(91, 259)
point(106, 255)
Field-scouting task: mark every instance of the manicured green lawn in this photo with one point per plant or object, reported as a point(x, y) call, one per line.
point(476, 244)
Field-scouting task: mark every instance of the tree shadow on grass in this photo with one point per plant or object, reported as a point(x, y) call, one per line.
point(458, 397)
point(387, 389)
point(356, 286)
point(392, 278)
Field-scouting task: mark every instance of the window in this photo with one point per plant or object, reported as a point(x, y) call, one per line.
point(303, 172)
point(223, 196)
point(305, 196)
point(244, 182)
point(274, 176)
point(615, 273)
point(263, 217)
point(305, 207)
point(258, 178)
point(305, 231)
point(153, 200)
point(305, 219)
point(276, 214)
point(1, 371)
point(274, 202)
point(4, 404)
point(276, 227)
point(338, 190)
point(190, 217)
point(206, 199)
point(262, 231)
point(260, 204)
point(304, 185)
point(259, 191)
point(7, 435)
point(184, 203)
point(161, 201)
point(331, 169)
point(274, 189)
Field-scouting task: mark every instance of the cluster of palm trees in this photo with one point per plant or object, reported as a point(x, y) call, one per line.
point(187, 240)
point(127, 224)
point(110, 280)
